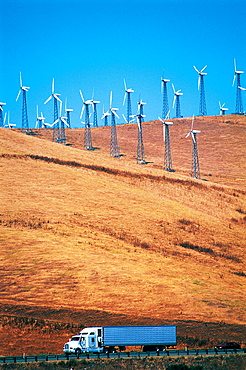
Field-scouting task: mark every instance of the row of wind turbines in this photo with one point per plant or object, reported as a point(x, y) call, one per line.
point(40, 119)
point(61, 121)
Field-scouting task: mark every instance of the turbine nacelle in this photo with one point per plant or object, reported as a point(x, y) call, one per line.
point(1, 105)
point(167, 123)
point(193, 132)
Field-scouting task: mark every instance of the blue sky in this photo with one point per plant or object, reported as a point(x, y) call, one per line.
point(95, 45)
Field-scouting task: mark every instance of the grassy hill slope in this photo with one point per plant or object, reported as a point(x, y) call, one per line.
point(82, 231)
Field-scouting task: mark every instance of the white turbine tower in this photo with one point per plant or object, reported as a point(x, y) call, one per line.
point(195, 161)
point(167, 147)
point(202, 106)
point(127, 96)
point(222, 109)
point(1, 115)
point(176, 99)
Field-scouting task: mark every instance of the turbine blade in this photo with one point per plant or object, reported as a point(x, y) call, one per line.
point(82, 97)
point(203, 68)
point(37, 111)
point(188, 134)
point(56, 97)
point(234, 78)
point(53, 86)
point(82, 111)
point(125, 84)
point(235, 67)
point(164, 132)
point(192, 123)
point(110, 99)
point(173, 88)
point(61, 109)
point(20, 80)
point(46, 101)
point(193, 137)
point(195, 69)
point(115, 113)
point(124, 99)
point(18, 95)
point(124, 118)
point(174, 99)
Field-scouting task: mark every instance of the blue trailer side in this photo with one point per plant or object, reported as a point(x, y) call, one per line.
point(164, 335)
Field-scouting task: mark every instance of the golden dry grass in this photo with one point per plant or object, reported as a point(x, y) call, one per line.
point(81, 230)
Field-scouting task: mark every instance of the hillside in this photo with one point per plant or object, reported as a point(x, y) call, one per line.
point(89, 239)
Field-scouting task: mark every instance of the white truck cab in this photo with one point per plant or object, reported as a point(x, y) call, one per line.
point(88, 340)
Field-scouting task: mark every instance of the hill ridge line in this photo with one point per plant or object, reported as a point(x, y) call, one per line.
point(112, 171)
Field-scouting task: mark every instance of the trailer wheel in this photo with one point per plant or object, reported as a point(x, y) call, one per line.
point(77, 352)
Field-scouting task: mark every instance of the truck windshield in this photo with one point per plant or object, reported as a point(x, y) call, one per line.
point(75, 338)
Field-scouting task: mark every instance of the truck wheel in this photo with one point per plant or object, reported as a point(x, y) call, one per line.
point(77, 352)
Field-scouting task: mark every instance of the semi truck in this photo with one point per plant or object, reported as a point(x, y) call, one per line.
point(113, 338)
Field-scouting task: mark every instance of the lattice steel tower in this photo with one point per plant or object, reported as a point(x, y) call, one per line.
point(195, 171)
point(165, 106)
point(176, 99)
point(24, 89)
point(55, 96)
point(167, 146)
point(94, 105)
point(140, 149)
point(239, 101)
point(127, 96)
point(68, 113)
point(114, 146)
point(140, 119)
point(87, 131)
point(202, 105)
point(59, 130)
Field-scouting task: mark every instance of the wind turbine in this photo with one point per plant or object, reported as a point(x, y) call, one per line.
point(222, 109)
point(141, 104)
point(140, 149)
point(114, 147)
point(59, 134)
point(40, 120)
point(237, 76)
point(176, 98)
point(68, 112)
point(127, 96)
point(1, 115)
point(87, 132)
point(202, 106)
point(166, 139)
point(56, 98)
point(94, 106)
point(23, 90)
point(195, 162)
point(105, 116)
point(8, 125)
point(165, 107)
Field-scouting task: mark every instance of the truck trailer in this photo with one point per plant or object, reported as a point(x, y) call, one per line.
point(113, 338)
